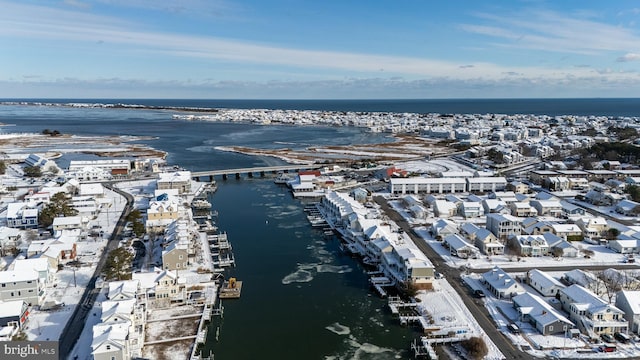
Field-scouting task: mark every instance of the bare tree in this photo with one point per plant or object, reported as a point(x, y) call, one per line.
point(612, 280)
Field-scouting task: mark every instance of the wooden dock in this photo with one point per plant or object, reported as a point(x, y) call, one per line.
point(231, 289)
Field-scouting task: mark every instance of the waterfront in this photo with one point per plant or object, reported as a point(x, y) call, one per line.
point(302, 297)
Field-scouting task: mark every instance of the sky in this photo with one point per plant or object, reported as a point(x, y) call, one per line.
point(329, 49)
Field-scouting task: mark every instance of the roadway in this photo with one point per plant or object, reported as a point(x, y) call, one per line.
point(73, 329)
point(197, 174)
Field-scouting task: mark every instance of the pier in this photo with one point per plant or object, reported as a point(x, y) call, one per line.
point(210, 174)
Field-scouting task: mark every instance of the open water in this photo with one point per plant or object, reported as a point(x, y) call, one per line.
point(302, 297)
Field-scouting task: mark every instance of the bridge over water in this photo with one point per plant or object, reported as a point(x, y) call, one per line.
point(198, 175)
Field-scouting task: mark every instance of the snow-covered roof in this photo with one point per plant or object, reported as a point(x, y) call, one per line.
point(11, 308)
point(538, 309)
point(8, 276)
point(543, 280)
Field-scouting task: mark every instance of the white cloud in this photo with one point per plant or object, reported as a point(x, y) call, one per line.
point(550, 31)
point(629, 57)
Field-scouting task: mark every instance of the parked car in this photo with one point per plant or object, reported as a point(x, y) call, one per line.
point(514, 328)
point(622, 337)
point(608, 338)
point(479, 293)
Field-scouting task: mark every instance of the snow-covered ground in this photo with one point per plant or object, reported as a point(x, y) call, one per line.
point(447, 310)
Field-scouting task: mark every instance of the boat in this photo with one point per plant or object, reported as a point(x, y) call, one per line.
point(231, 289)
point(282, 178)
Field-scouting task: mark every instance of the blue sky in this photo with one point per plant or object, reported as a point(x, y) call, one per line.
point(329, 49)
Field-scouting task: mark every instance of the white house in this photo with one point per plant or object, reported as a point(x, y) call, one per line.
point(592, 315)
point(541, 315)
point(501, 284)
point(459, 247)
point(629, 302)
point(544, 283)
point(20, 215)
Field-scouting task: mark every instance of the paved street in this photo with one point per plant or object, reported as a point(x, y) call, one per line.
point(76, 323)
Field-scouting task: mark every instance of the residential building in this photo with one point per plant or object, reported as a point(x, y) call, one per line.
point(536, 311)
point(503, 226)
point(21, 216)
point(529, 245)
point(180, 180)
point(21, 285)
point(547, 207)
point(629, 302)
point(421, 185)
point(175, 256)
point(14, 313)
point(592, 315)
point(459, 247)
point(111, 341)
point(545, 284)
point(501, 284)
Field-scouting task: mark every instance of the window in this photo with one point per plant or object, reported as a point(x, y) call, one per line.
point(550, 327)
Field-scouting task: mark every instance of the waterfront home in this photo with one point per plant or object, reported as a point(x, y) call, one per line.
point(503, 225)
point(592, 315)
point(126, 311)
point(161, 212)
point(21, 215)
point(501, 284)
point(536, 311)
point(180, 180)
point(21, 285)
point(459, 247)
point(13, 314)
point(544, 283)
point(338, 207)
point(175, 256)
point(161, 288)
point(111, 341)
point(629, 302)
point(529, 245)
point(406, 264)
point(9, 239)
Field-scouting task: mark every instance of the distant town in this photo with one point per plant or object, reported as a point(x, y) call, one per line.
point(495, 236)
